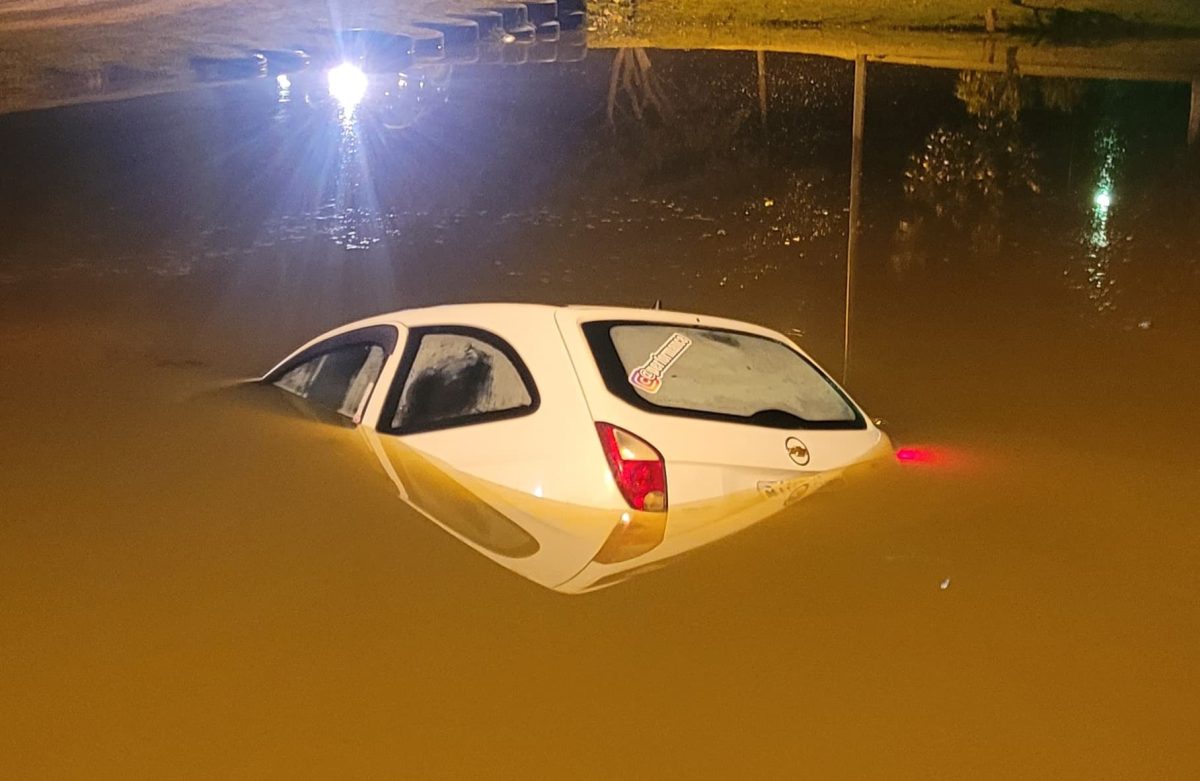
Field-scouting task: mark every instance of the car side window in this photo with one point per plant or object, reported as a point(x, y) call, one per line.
point(337, 380)
point(460, 377)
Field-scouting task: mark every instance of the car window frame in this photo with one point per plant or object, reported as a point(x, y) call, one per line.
point(408, 359)
point(384, 337)
point(612, 371)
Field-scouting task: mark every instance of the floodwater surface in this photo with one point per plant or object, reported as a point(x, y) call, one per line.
point(196, 584)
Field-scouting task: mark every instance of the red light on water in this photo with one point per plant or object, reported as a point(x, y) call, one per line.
point(915, 455)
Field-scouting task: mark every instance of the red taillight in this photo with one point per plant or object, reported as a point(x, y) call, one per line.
point(636, 466)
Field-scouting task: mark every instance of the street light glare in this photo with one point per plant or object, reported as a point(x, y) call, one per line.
point(347, 85)
point(1103, 199)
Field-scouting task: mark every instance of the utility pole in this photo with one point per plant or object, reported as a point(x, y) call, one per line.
point(1194, 116)
point(762, 86)
point(856, 148)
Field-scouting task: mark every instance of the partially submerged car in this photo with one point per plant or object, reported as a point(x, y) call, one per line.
point(576, 445)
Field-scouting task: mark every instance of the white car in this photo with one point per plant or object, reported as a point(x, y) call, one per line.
point(575, 445)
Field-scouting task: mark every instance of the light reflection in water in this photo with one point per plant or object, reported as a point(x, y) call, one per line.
point(357, 223)
point(348, 86)
point(1100, 284)
point(283, 85)
point(1098, 237)
point(347, 118)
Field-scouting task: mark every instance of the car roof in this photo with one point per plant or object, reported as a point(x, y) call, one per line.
point(489, 315)
point(524, 324)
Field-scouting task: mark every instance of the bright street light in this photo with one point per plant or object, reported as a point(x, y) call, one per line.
point(347, 85)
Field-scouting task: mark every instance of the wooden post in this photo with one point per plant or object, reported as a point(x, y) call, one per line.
point(762, 86)
point(1194, 116)
point(856, 147)
point(989, 21)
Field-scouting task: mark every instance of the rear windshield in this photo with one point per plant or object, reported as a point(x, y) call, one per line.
point(717, 373)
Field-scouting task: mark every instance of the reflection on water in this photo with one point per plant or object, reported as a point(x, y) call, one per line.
point(388, 108)
point(965, 175)
point(635, 87)
point(283, 83)
point(555, 544)
point(1101, 284)
point(357, 222)
point(348, 86)
point(186, 582)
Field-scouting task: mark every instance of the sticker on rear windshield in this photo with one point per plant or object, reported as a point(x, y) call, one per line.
point(648, 376)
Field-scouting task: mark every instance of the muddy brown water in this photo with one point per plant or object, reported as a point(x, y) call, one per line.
point(193, 584)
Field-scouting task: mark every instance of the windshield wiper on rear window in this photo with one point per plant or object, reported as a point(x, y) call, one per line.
point(776, 418)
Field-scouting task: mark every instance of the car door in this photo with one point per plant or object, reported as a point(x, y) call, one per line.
point(460, 434)
point(460, 395)
point(336, 374)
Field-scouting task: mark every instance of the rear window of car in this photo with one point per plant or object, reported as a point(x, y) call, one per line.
point(718, 374)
